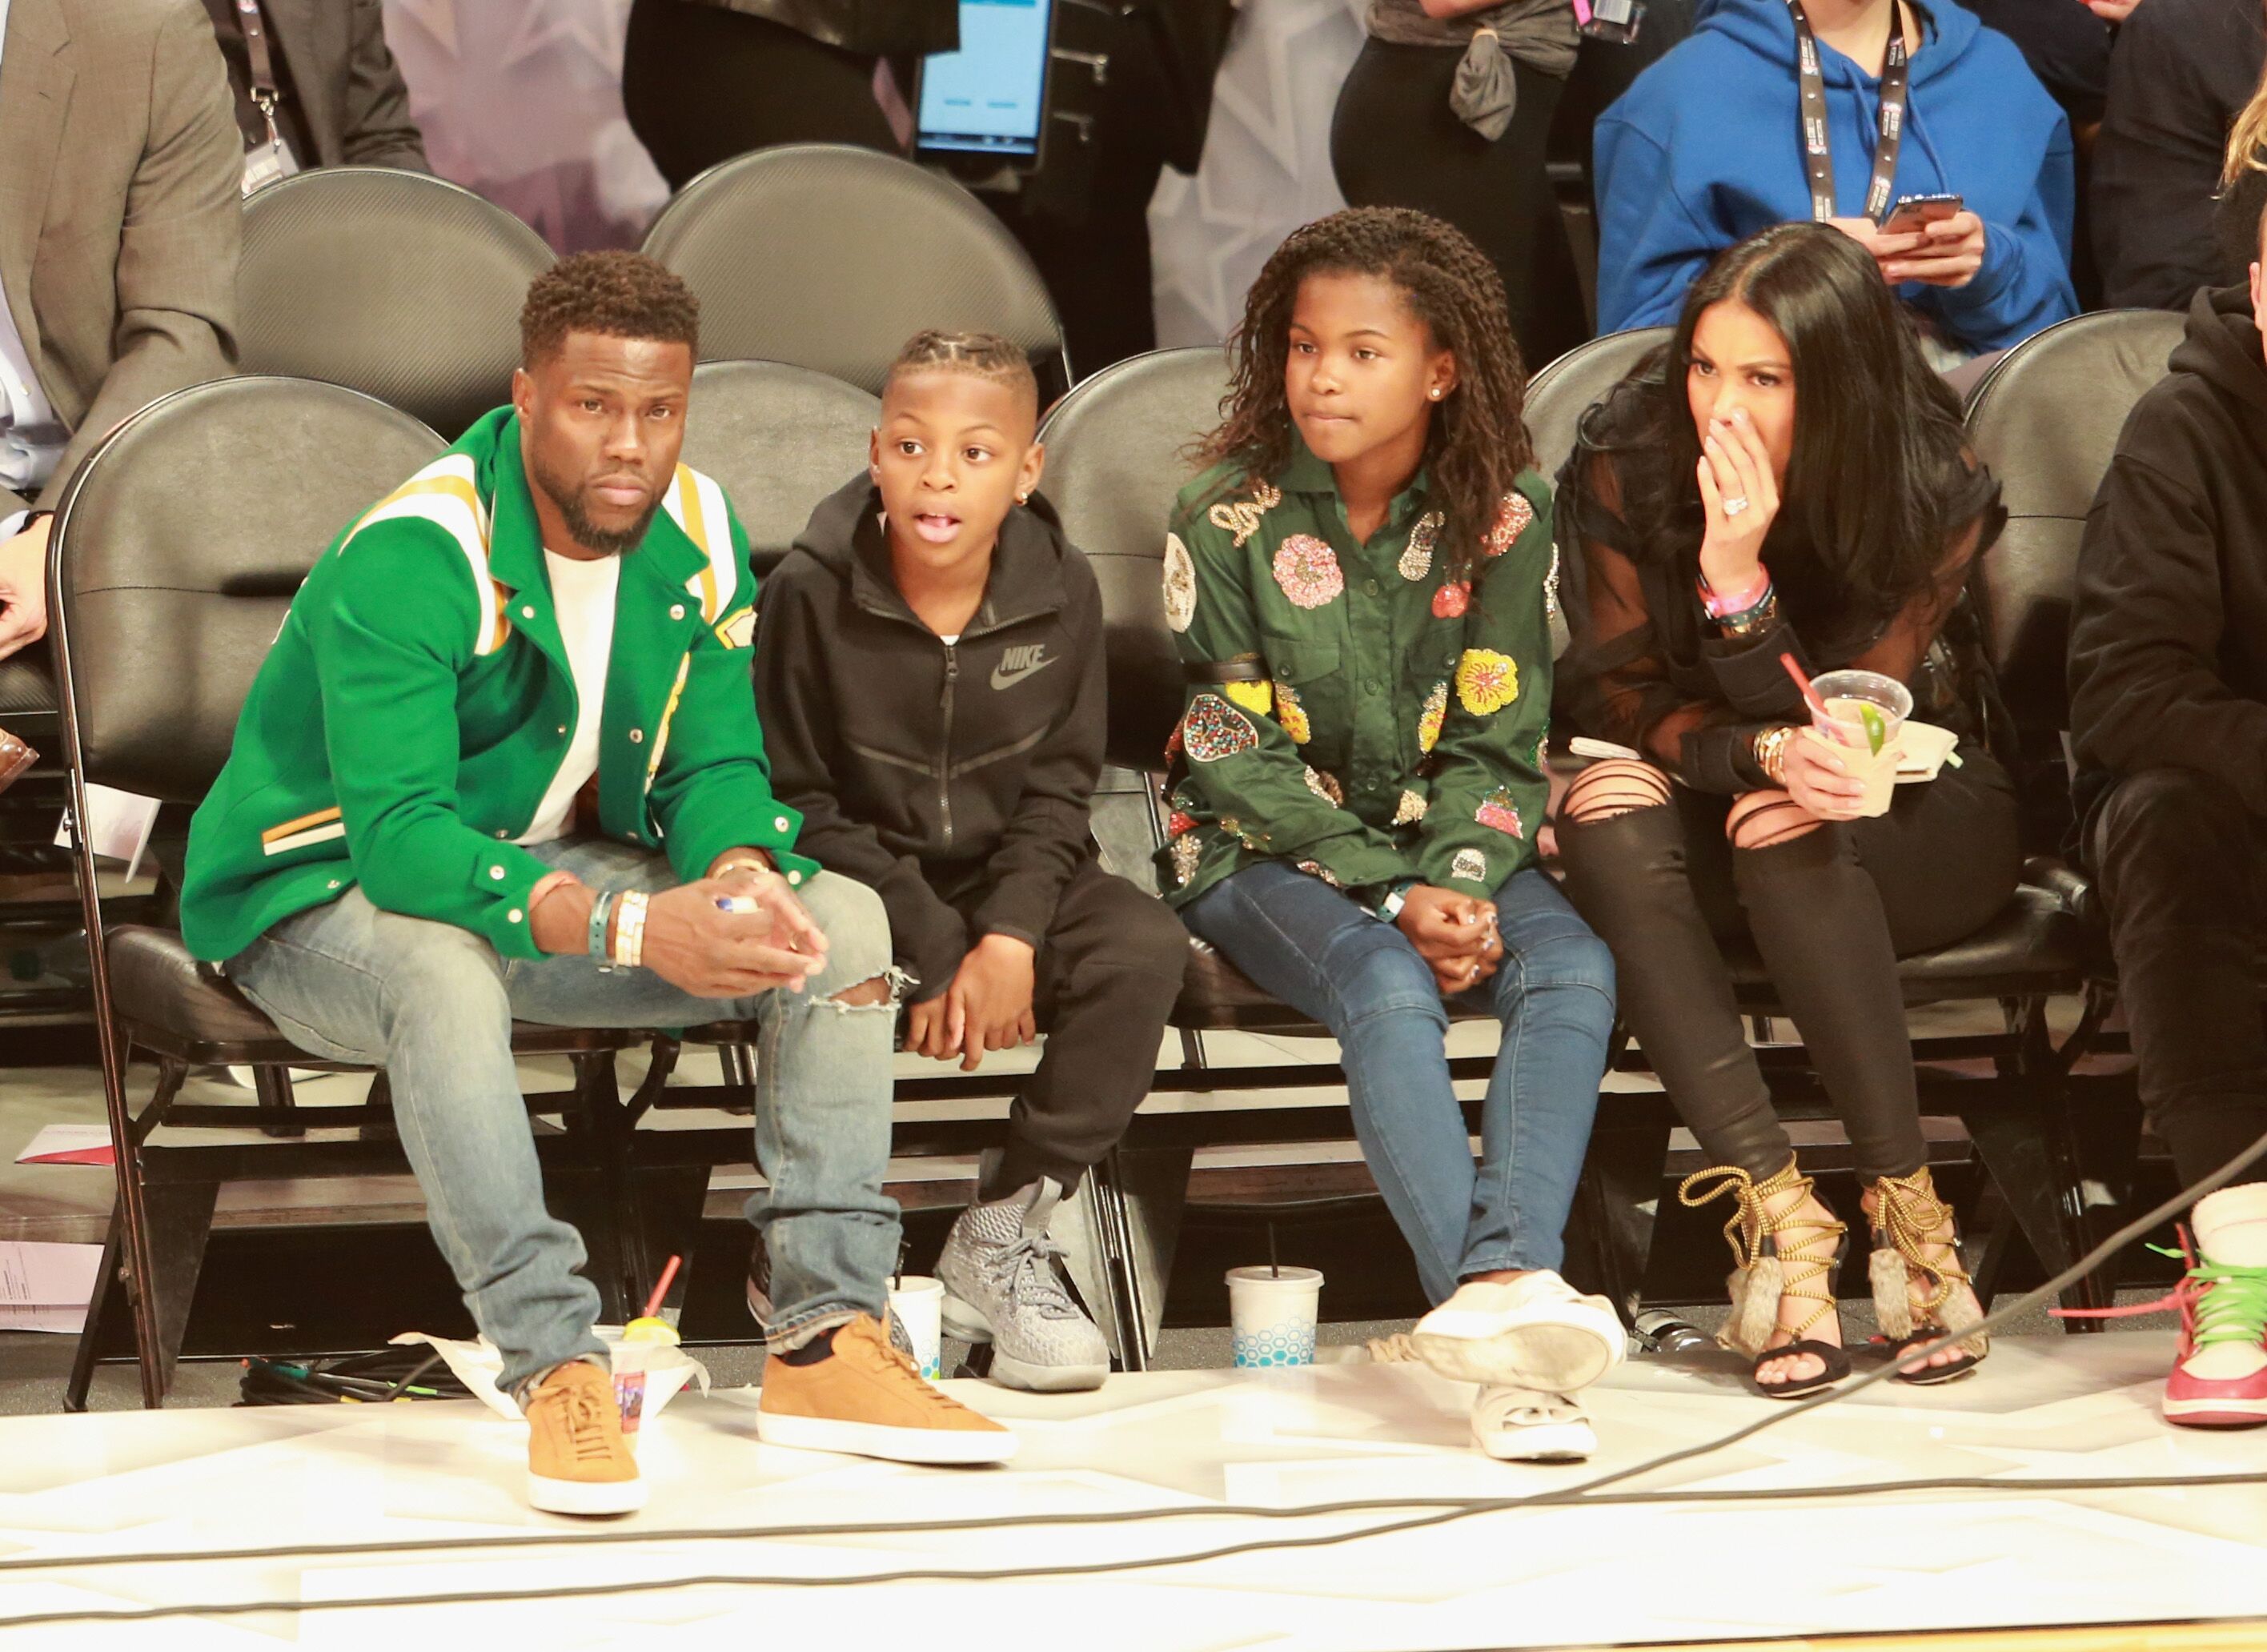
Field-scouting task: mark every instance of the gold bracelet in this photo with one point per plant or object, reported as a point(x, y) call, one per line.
point(629, 928)
point(1770, 749)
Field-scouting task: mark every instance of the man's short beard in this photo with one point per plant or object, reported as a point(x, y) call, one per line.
point(587, 534)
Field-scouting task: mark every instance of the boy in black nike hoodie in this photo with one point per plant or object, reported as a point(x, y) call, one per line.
point(930, 679)
point(2168, 711)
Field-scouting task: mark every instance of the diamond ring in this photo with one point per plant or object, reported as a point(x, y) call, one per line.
point(1734, 505)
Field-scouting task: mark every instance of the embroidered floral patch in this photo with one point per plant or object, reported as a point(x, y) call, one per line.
point(1510, 522)
point(1291, 715)
point(1241, 518)
point(1486, 681)
point(1470, 866)
point(1180, 583)
point(1314, 868)
point(1550, 587)
point(1450, 601)
point(1259, 696)
point(1186, 853)
point(1417, 559)
point(1498, 809)
point(1326, 786)
point(1308, 570)
point(1212, 729)
point(1180, 825)
point(1411, 808)
point(1429, 719)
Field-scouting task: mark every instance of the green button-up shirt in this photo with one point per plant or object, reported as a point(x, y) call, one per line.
point(1350, 709)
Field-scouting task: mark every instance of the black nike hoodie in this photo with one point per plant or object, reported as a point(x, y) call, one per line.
point(956, 780)
point(2168, 641)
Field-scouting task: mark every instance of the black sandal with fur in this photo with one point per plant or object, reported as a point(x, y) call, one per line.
point(1922, 1298)
point(1767, 1270)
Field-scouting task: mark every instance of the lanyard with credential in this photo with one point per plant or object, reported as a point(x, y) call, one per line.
point(263, 65)
point(1817, 144)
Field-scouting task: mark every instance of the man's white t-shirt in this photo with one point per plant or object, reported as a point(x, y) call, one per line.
point(583, 596)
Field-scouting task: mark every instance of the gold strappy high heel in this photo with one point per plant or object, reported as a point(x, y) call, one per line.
point(1914, 1235)
point(1766, 1270)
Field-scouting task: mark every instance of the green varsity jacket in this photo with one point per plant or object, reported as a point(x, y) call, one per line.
point(418, 699)
point(1350, 708)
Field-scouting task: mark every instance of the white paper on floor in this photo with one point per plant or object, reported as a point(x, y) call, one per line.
point(46, 1286)
point(119, 824)
point(68, 1144)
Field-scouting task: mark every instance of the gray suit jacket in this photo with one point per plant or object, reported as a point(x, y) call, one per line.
point(120, 181)
point(350, 91)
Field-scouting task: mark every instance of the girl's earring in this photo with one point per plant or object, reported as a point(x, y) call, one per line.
point(1436, 393)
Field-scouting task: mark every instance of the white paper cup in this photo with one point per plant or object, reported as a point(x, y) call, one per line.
point(1272, 1314)
point(919, 1302)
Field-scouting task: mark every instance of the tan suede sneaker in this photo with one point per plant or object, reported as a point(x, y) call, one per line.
point(577, 1461)
point(868, 1400)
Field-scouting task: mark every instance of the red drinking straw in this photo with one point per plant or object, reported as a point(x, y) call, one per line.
point(1809, 695)
point(668, 1276)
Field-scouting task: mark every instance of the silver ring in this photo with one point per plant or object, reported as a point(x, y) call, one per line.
point(1736, 504)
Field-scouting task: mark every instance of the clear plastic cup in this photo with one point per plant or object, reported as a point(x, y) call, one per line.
point(1848, 696)
point(1272, 1314)
point(919, 1302)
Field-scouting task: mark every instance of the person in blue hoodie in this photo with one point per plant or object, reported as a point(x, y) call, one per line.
point(1707, 148)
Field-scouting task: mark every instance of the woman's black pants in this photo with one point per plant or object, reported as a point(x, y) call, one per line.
point(1831, 912)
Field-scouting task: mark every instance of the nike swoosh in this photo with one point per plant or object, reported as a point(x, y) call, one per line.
point(1002, 678)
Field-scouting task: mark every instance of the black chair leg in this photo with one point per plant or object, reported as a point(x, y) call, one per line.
point(179, 1217)
point(279, 1112)
point(2022, 1150)
point(663, 1219)
point(109, 1298)
point(1614, 1219)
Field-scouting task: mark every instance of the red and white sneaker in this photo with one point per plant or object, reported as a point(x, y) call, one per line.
point(2219, 1378)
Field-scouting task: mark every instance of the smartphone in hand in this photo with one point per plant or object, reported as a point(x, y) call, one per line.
point(1914, 213)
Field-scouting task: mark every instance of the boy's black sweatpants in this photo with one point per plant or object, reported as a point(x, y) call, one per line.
point(1108, 969)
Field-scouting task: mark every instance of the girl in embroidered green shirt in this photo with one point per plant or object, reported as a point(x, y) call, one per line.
point(1360, 583)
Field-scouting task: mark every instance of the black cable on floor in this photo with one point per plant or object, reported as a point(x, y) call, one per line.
point(1460, 1510)
point(1135, 1516)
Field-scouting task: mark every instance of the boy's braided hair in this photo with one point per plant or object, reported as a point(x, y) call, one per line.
point(982, 355)
point(1479, 443)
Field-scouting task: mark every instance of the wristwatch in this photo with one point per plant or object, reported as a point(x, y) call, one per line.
point(1396, 896)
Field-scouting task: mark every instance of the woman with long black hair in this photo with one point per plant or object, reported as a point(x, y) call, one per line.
point(1786, 477)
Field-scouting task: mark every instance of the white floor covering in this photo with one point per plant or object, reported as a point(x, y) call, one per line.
point(1624, 1574)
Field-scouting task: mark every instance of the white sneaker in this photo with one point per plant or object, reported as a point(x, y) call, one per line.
point(1523, 1425)
point(1537, 1332)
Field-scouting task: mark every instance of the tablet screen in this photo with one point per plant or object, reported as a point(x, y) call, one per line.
point(990, 95)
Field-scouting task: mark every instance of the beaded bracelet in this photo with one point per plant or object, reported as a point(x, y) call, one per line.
point(600, 909)
point(629, 929)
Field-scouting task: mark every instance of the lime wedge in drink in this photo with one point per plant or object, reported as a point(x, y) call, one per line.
point(1876, 731)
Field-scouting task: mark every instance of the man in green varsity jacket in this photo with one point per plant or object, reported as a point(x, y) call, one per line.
point(502, 762)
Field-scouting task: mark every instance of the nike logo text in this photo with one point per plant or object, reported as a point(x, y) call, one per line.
point(1022, 661)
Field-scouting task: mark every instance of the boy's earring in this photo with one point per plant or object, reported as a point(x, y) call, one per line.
point(1436, 393)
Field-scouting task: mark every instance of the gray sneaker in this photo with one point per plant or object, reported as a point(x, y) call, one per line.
point(1001, 1287)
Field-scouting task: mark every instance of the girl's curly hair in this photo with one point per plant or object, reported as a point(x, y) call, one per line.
point(1477, 445)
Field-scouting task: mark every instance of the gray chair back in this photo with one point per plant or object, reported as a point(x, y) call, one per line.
point(176, 560)
point(2047, 421)
point(391, 282)
point(780, 439)
point(1562, 393)
point(1116, 456)
point(831, 257)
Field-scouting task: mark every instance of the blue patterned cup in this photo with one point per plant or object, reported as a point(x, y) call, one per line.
point(919, 1302)
point(1271, 1314)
